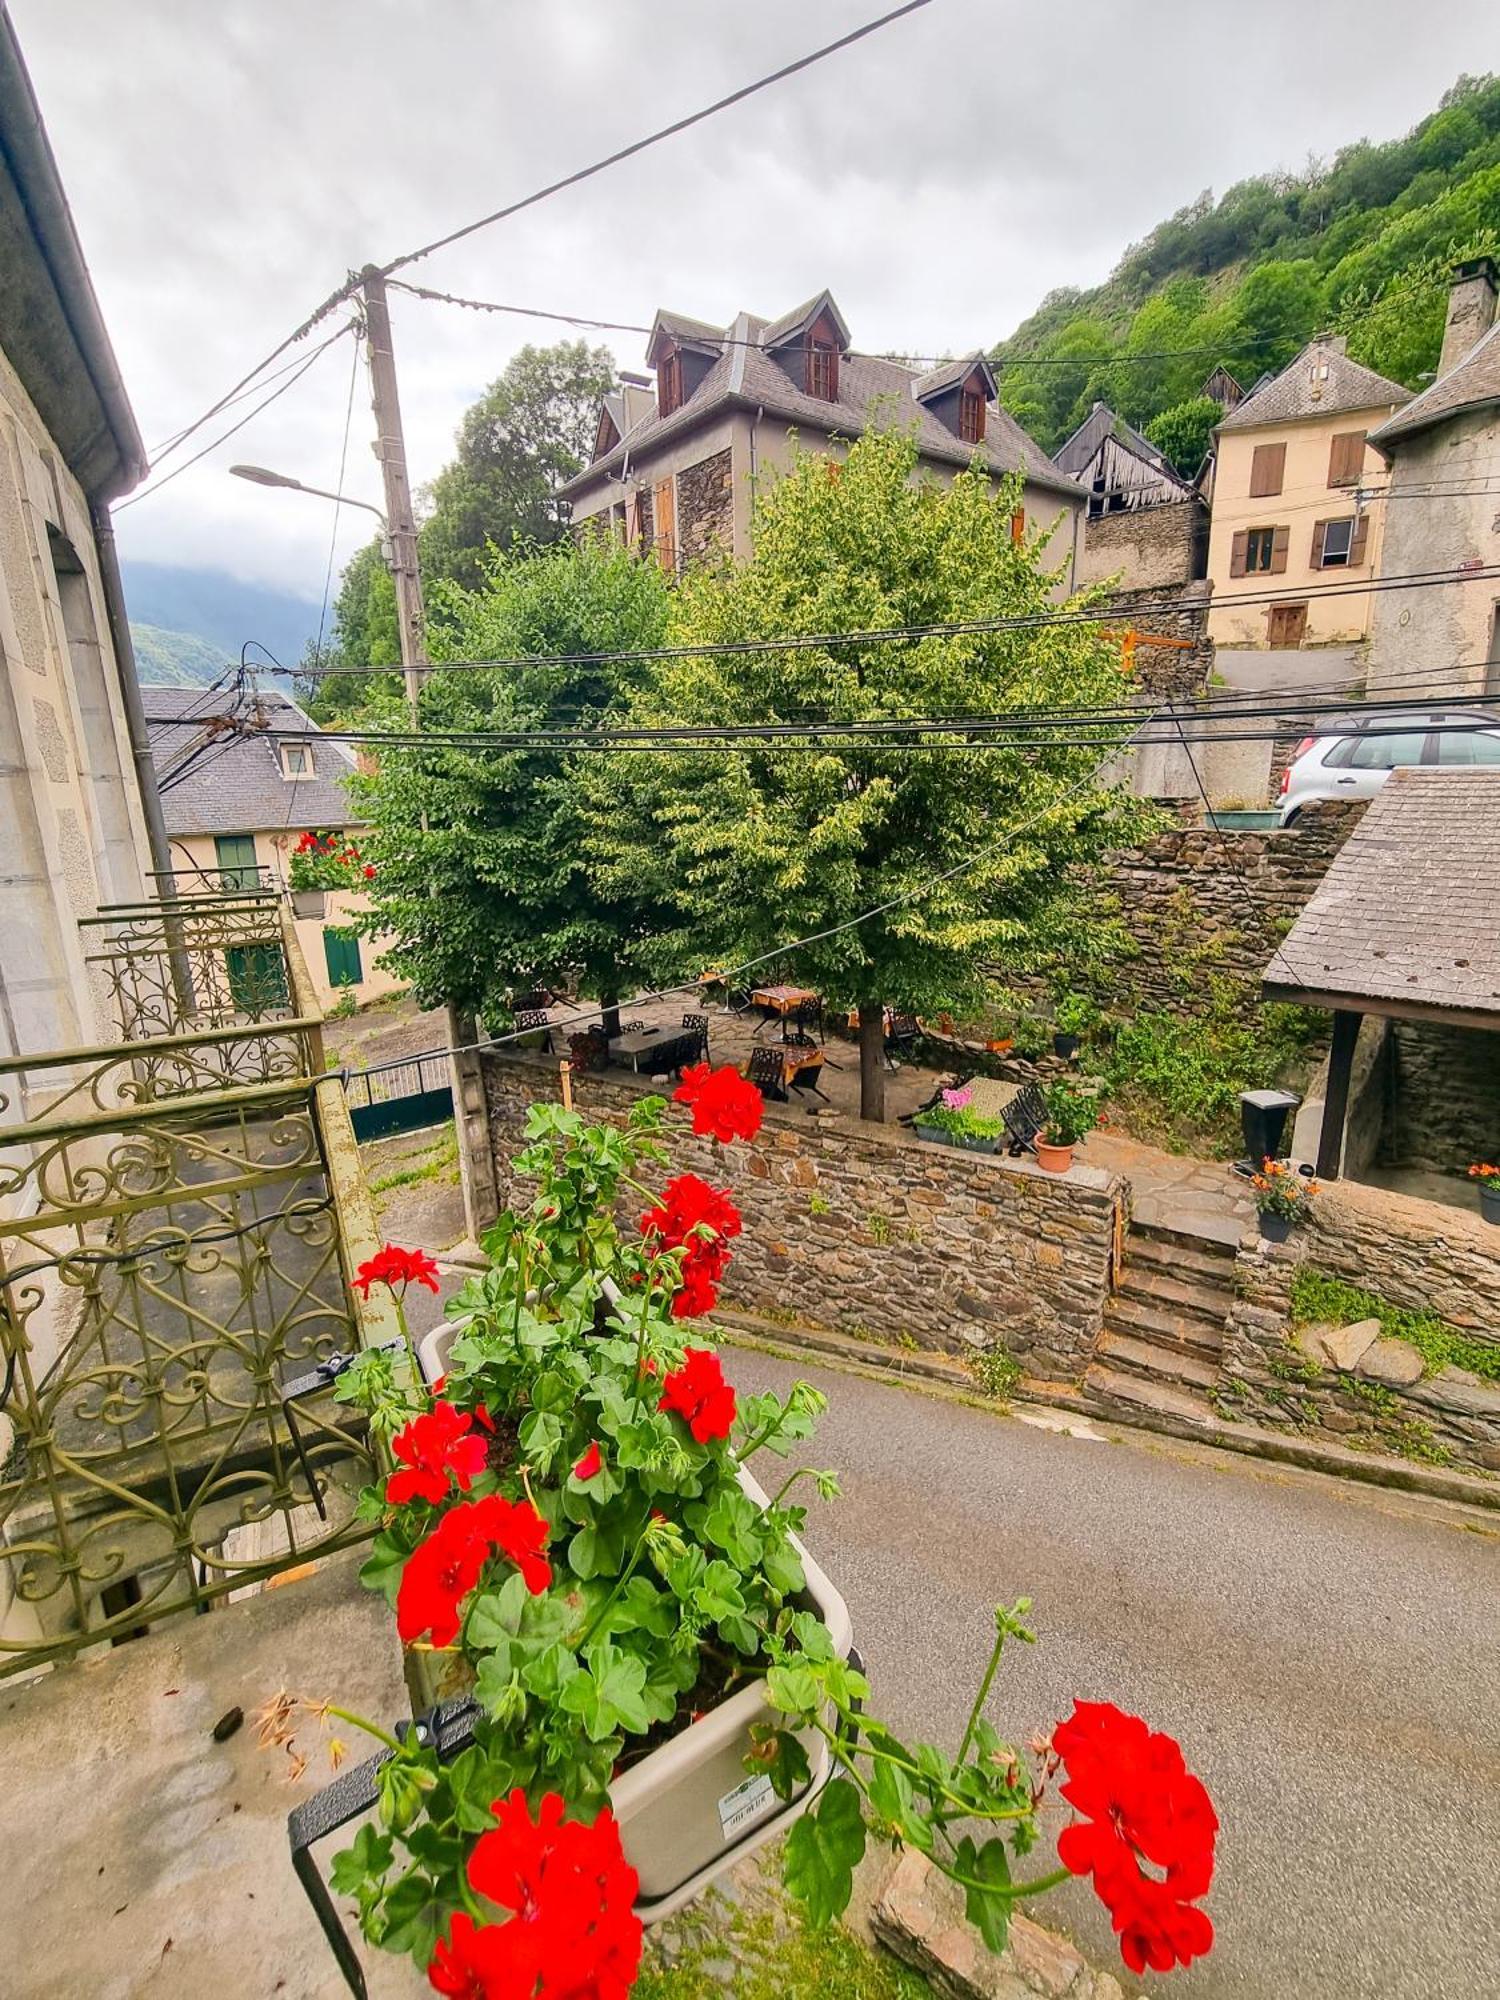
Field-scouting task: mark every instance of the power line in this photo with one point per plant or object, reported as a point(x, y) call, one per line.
point(655, 138)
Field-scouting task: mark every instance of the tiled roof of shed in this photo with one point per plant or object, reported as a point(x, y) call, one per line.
point(1409, 912)
point(238, 787)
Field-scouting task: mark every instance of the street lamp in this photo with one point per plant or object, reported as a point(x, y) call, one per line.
point(260, 475)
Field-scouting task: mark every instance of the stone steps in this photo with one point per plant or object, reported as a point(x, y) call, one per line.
point(1111, 1392)
point(1181, 1257)
point(1186, 1298)
point(1144, 1358)
point(1182, 1332)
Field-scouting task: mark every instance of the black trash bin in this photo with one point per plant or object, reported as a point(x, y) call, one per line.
point(1263, 1116)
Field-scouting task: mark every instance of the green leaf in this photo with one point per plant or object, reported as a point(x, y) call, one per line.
point(495, 1618)
point(988, 1912)
point(382, 1567)
point(823, 1850)
point(794, 1690)
point(540, 1434)
point(608, 1694)
point(719, 1594)
point(367, 1859)
point(788, 1767)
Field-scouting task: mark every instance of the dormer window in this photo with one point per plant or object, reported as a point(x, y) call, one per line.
point(296, 760)
point(971, 411)
point(669, 383)
point(822, 379)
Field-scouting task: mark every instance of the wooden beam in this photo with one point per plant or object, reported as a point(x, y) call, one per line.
point(1336, 1096)
point(1486, 1020)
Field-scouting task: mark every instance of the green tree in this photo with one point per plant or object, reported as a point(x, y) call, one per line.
point(1184, 433)
point(531, 428)
point(969, 849)
point(364, 633)
point(483, 876)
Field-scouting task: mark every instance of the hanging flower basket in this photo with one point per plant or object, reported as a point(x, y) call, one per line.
point(309, 902)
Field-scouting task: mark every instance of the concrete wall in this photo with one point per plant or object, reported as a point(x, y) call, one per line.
point(1146, 547)
point(1304, 499)
point(71, 832)
point(869, 1231)
point(1453, 627)
point(1409, 1253)
point(273, 852)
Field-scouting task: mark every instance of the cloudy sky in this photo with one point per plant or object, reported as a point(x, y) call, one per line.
point(228, 162)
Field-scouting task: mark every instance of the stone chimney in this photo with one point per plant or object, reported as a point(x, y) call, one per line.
point(1471, 310)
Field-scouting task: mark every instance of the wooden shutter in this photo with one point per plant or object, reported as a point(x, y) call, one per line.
point(1346, 458)
point(341, 955)
point(1280, 542)
point(1018, 526)
point(1357, 545)
point(1320, 529)
point(1237, 549)
point(1267, 468)
point(665, 519)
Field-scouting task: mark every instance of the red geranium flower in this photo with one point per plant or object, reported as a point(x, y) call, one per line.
point(474, 1961)
point(698, 1393)
point(393, 1266)
point(695, 1218)
point(723, 1103)
point(589, 1464)
point(430, 1448)
point(574, 1934)
point(1139, 1802)
point(441, 1571)
point(369, 871)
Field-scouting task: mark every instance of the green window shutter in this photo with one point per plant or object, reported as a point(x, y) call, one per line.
point(235, 854)
point(341, 951)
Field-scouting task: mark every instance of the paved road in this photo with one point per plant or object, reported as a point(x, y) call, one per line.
point(1327, 1654)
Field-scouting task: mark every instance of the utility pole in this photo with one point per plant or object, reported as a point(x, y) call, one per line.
point(401, 521)
point(470, 1112)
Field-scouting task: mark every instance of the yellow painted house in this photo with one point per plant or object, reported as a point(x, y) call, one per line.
point(1289, 533)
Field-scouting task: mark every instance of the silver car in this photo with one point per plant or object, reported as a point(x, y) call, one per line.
point(1354, 760)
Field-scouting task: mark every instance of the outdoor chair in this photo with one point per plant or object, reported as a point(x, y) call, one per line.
point(1024, 1117)
point(765, 1072)
point(533, 1001)
point(531, 1018)
point(900, 1036)
point(807, 1014)
point(632, 1027)
point(696, 1024)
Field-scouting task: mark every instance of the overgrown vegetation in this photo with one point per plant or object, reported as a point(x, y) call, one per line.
point(1363, 243)
point(997, 1373)
point(1175, 1079)
point(1319, 1298)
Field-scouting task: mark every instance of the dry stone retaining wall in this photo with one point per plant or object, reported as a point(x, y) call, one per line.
point(1353, 1383)
point(869, 1231)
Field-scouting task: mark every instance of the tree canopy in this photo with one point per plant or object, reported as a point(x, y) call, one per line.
point(965, 851)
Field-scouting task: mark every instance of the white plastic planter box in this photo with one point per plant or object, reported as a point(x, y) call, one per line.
point(688, 1810)
point(309, 902)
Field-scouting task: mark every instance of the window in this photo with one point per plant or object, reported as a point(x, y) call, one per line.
point(1267, 469)
point(823, 371)
point(296, 760)
point(669, 383)
point(235, 854)
point(341, 953)
point(1339, 544)
point(1259, 551)
point(1386, 753)
point(1459, 747)
point(971, 416)
point(257, 978)
point(1346, 458)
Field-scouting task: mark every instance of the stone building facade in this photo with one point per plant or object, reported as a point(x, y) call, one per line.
point(1161, 547)
point(871, 1232)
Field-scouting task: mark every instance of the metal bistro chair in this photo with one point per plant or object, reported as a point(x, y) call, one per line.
point(766, 1073)
point(529, 1018)
point(696, 1025)
point(1023, 1118)
point(900, 1036)
point(806, 1014)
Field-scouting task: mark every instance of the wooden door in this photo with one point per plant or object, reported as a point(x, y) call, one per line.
point(1288, 624)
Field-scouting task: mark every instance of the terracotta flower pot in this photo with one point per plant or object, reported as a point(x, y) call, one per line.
point(1053, 1159)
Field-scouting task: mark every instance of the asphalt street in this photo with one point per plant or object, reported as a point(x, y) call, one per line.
point(1327, 1654)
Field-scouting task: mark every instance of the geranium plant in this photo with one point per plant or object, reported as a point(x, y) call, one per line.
point(565, 1533)
point(325, 860)
point(1072, 1111)
point(1281, 1191)
point(1487, 1176)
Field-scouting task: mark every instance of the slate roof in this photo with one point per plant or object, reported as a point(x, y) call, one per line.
point(1287, 396)
point(746, 377)
point(1471, 384)
point(1410, 910)
point(237, 786)
point(1100, 423)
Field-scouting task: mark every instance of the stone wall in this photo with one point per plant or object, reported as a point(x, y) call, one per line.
point(872, 1232)
point(1445, 1097)
point(1196, 901)
point(1147, 547)
point(1175, 611)
point(705, 509)
point(1353, 1383)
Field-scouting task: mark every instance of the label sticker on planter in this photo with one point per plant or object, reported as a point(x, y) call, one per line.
point(745, 1804)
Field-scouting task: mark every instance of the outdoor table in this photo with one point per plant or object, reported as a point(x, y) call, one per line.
point(780, 1000)
point(797, 1062)
point(662, 1048)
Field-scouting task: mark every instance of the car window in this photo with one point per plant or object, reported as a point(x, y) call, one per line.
point(1339, 755)
point(1385, 753)
point(1456, 747)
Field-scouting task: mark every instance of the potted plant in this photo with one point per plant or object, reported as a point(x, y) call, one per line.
point(1072, 1113)
point(1488, 1178)
point(954, 1122)
point(657, 1675)
point(320, 862)
point(1075, 1014)
point(1283, 1198)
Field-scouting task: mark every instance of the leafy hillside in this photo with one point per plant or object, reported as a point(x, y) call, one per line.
point(1362, 245)
point(174, 659)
